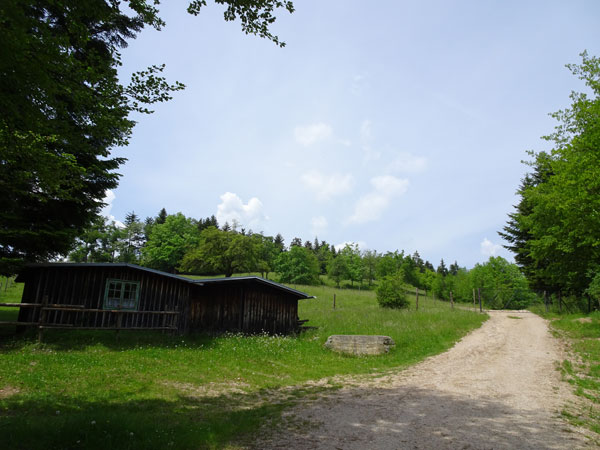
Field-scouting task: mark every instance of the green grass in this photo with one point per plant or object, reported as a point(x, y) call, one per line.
point(10, 292)
point(582, 368)
point(149, 390)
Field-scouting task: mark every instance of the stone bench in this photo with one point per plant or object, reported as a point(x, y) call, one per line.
point(355, 344)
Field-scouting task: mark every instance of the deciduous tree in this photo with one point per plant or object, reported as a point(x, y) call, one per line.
point(169, 242)
point(337, 269)
point(221, 252)
point(298, 265)
point(63, 110)
point(555, 230)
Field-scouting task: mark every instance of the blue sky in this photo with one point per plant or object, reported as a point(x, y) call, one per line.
point(393, 124)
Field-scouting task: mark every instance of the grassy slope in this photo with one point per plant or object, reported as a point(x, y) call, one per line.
point(12, 294)
point(582, 368)
point(90, 390)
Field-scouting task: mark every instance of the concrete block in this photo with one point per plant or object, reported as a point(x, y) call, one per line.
point(355, 344)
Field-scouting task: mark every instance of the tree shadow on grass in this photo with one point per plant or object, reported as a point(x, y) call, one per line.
point(415, 418)
point(39, 421)
point(399, 418)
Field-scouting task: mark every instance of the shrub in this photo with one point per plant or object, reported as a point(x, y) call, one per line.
point(593, 289)
point(390, 292)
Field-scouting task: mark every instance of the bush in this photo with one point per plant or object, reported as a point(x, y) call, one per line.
point(390, 293)
point(593, 289)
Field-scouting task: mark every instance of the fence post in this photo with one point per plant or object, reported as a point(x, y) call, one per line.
point(334, 301)
point(417, 296)
point(473, 297)
point(546, 301)
point(559, 303)
point(479, 294)
point(42, 319)
point(451, 300)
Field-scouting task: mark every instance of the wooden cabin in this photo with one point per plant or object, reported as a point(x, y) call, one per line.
point(126, 296)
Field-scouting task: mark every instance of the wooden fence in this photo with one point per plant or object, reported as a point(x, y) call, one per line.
point(111, 319)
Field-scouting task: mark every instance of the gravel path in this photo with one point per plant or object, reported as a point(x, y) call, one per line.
point(498, 388)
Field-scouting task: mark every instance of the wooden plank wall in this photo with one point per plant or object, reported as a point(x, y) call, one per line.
point(85, 286)
point(245, 307)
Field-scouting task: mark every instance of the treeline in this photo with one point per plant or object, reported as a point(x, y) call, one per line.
point(554, 231)
point(176, 243)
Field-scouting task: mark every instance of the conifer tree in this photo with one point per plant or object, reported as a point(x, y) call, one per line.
point(442, 269)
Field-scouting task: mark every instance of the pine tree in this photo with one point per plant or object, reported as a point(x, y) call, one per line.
point(316, 245)
point(162, 217)
point(279, 242)
point(418, 261)
point(454, 268)
point(442, 270)
point(133, 239)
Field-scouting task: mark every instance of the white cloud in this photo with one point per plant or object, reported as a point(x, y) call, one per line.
point(371, 206)
point(389, 185)
point(327, 186)
point(232, 209)
point(308, 135)
point(407, 162)
point(109, 197)
point(488, 248)
point(318, 225)
point(362, 245)
point(368, 208)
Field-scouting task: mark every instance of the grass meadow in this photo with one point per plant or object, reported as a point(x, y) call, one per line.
point(582, 368)
point(145, 390)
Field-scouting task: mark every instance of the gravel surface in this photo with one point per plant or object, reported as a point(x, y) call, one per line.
point(498, 388)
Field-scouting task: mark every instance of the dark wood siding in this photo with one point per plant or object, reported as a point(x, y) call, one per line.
point(84, 287)
point(245, 307)
point(72, 295)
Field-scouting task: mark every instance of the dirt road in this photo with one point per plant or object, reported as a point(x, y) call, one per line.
point(498, 388)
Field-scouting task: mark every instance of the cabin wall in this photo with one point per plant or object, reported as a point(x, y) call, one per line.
point(85, 287)
point(248, 308)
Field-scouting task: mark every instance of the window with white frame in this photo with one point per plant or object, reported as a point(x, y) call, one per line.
point(121, 294)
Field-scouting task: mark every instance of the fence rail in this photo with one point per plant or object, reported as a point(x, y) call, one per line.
point(44, 324)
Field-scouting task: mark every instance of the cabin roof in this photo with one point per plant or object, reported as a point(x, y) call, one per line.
point(91, 265)
point(22, 277)
point(231, 280)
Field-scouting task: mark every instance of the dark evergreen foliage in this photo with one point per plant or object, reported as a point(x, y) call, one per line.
point(63, 109)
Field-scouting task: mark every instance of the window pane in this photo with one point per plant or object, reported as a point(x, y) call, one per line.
point(128, 304)
point(121, 295)
point(111, 303)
